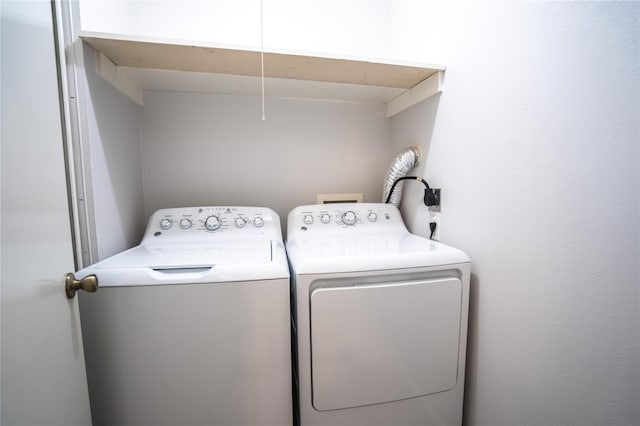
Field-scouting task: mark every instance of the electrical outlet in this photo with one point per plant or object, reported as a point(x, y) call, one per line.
point(436, 208)
point(436, 233)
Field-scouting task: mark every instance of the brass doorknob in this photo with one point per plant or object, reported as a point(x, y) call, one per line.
point(71, 285)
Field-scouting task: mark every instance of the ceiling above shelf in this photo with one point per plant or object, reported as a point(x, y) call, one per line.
point(133, 64)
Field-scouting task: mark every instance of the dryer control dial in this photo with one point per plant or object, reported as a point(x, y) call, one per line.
point(349, 218)
point(165, 223)
point(308, 219)
point(185, 223)
point(258, 222)
point(325, 218)
point(372, 216)
point(212, 223)
point(240, 222)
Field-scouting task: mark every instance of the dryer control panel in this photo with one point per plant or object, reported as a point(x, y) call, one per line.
point(195, 224)
point(345, 217)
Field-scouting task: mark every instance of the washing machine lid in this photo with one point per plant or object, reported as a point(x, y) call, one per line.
point(369, 252)
point(190, 255)
point(188, 263)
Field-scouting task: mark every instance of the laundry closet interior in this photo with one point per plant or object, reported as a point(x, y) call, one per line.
point(158, 138)
point(226, 104)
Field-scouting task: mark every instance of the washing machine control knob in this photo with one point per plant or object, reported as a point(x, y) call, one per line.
point(258, 222)
point(212, 223)
point(185, 223)
point(240, 222)
point(325, 218)
point(165, 223)
point(308, 219)
point(372, 216)
point(349, 218)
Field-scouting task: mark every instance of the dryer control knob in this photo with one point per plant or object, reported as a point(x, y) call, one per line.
point(372, 216)
point(308, 219)
point(165, 224)
point(258, 222)
point(212, 223)
point(185, 223)
point(240, 222)
point(325, 218)
point(349, 218)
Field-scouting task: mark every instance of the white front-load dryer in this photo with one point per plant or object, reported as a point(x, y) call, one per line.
point(379, 318)
point(191, 327)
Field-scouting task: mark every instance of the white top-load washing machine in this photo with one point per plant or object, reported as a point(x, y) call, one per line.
point(191, 327)
point(379, 319)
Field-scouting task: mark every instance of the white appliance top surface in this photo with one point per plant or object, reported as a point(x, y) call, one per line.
point(359, 237)
point(193, 255)
point(200, 245)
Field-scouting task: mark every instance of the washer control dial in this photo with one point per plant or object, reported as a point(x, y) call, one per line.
point(258, 222)
point(308, 219)
point(372, 216)
point(185, 223)
point(240, 222)
point(165, 223)
point(349, 218)
point(212, 223)
point(325, 218)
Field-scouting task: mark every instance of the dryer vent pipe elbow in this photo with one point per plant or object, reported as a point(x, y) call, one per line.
point(399, 167)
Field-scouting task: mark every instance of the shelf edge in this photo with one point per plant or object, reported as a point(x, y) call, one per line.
point(427, 88)
point(208, 58)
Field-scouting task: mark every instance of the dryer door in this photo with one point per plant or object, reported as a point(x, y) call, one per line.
point(372, 344)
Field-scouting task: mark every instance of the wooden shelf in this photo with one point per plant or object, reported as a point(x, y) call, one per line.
point(133, 64)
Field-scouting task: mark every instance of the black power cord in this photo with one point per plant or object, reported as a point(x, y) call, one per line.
point(432, 228)
point(430, 196)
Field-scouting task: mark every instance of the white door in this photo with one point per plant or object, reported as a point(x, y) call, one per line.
point(43, 374)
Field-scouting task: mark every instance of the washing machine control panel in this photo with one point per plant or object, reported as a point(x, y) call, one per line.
point(194, 224)
point(344, 216)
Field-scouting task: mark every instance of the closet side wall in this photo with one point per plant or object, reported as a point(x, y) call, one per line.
point(112, 157)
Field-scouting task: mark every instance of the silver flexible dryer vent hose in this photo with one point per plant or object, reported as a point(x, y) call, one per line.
point(399, 167)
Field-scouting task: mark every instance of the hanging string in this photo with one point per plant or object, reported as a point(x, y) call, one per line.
point(262, 57)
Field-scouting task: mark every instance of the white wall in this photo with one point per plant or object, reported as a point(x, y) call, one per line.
point(227, 22)
point(345, 27)
point(205, 149)
point(535, 144)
